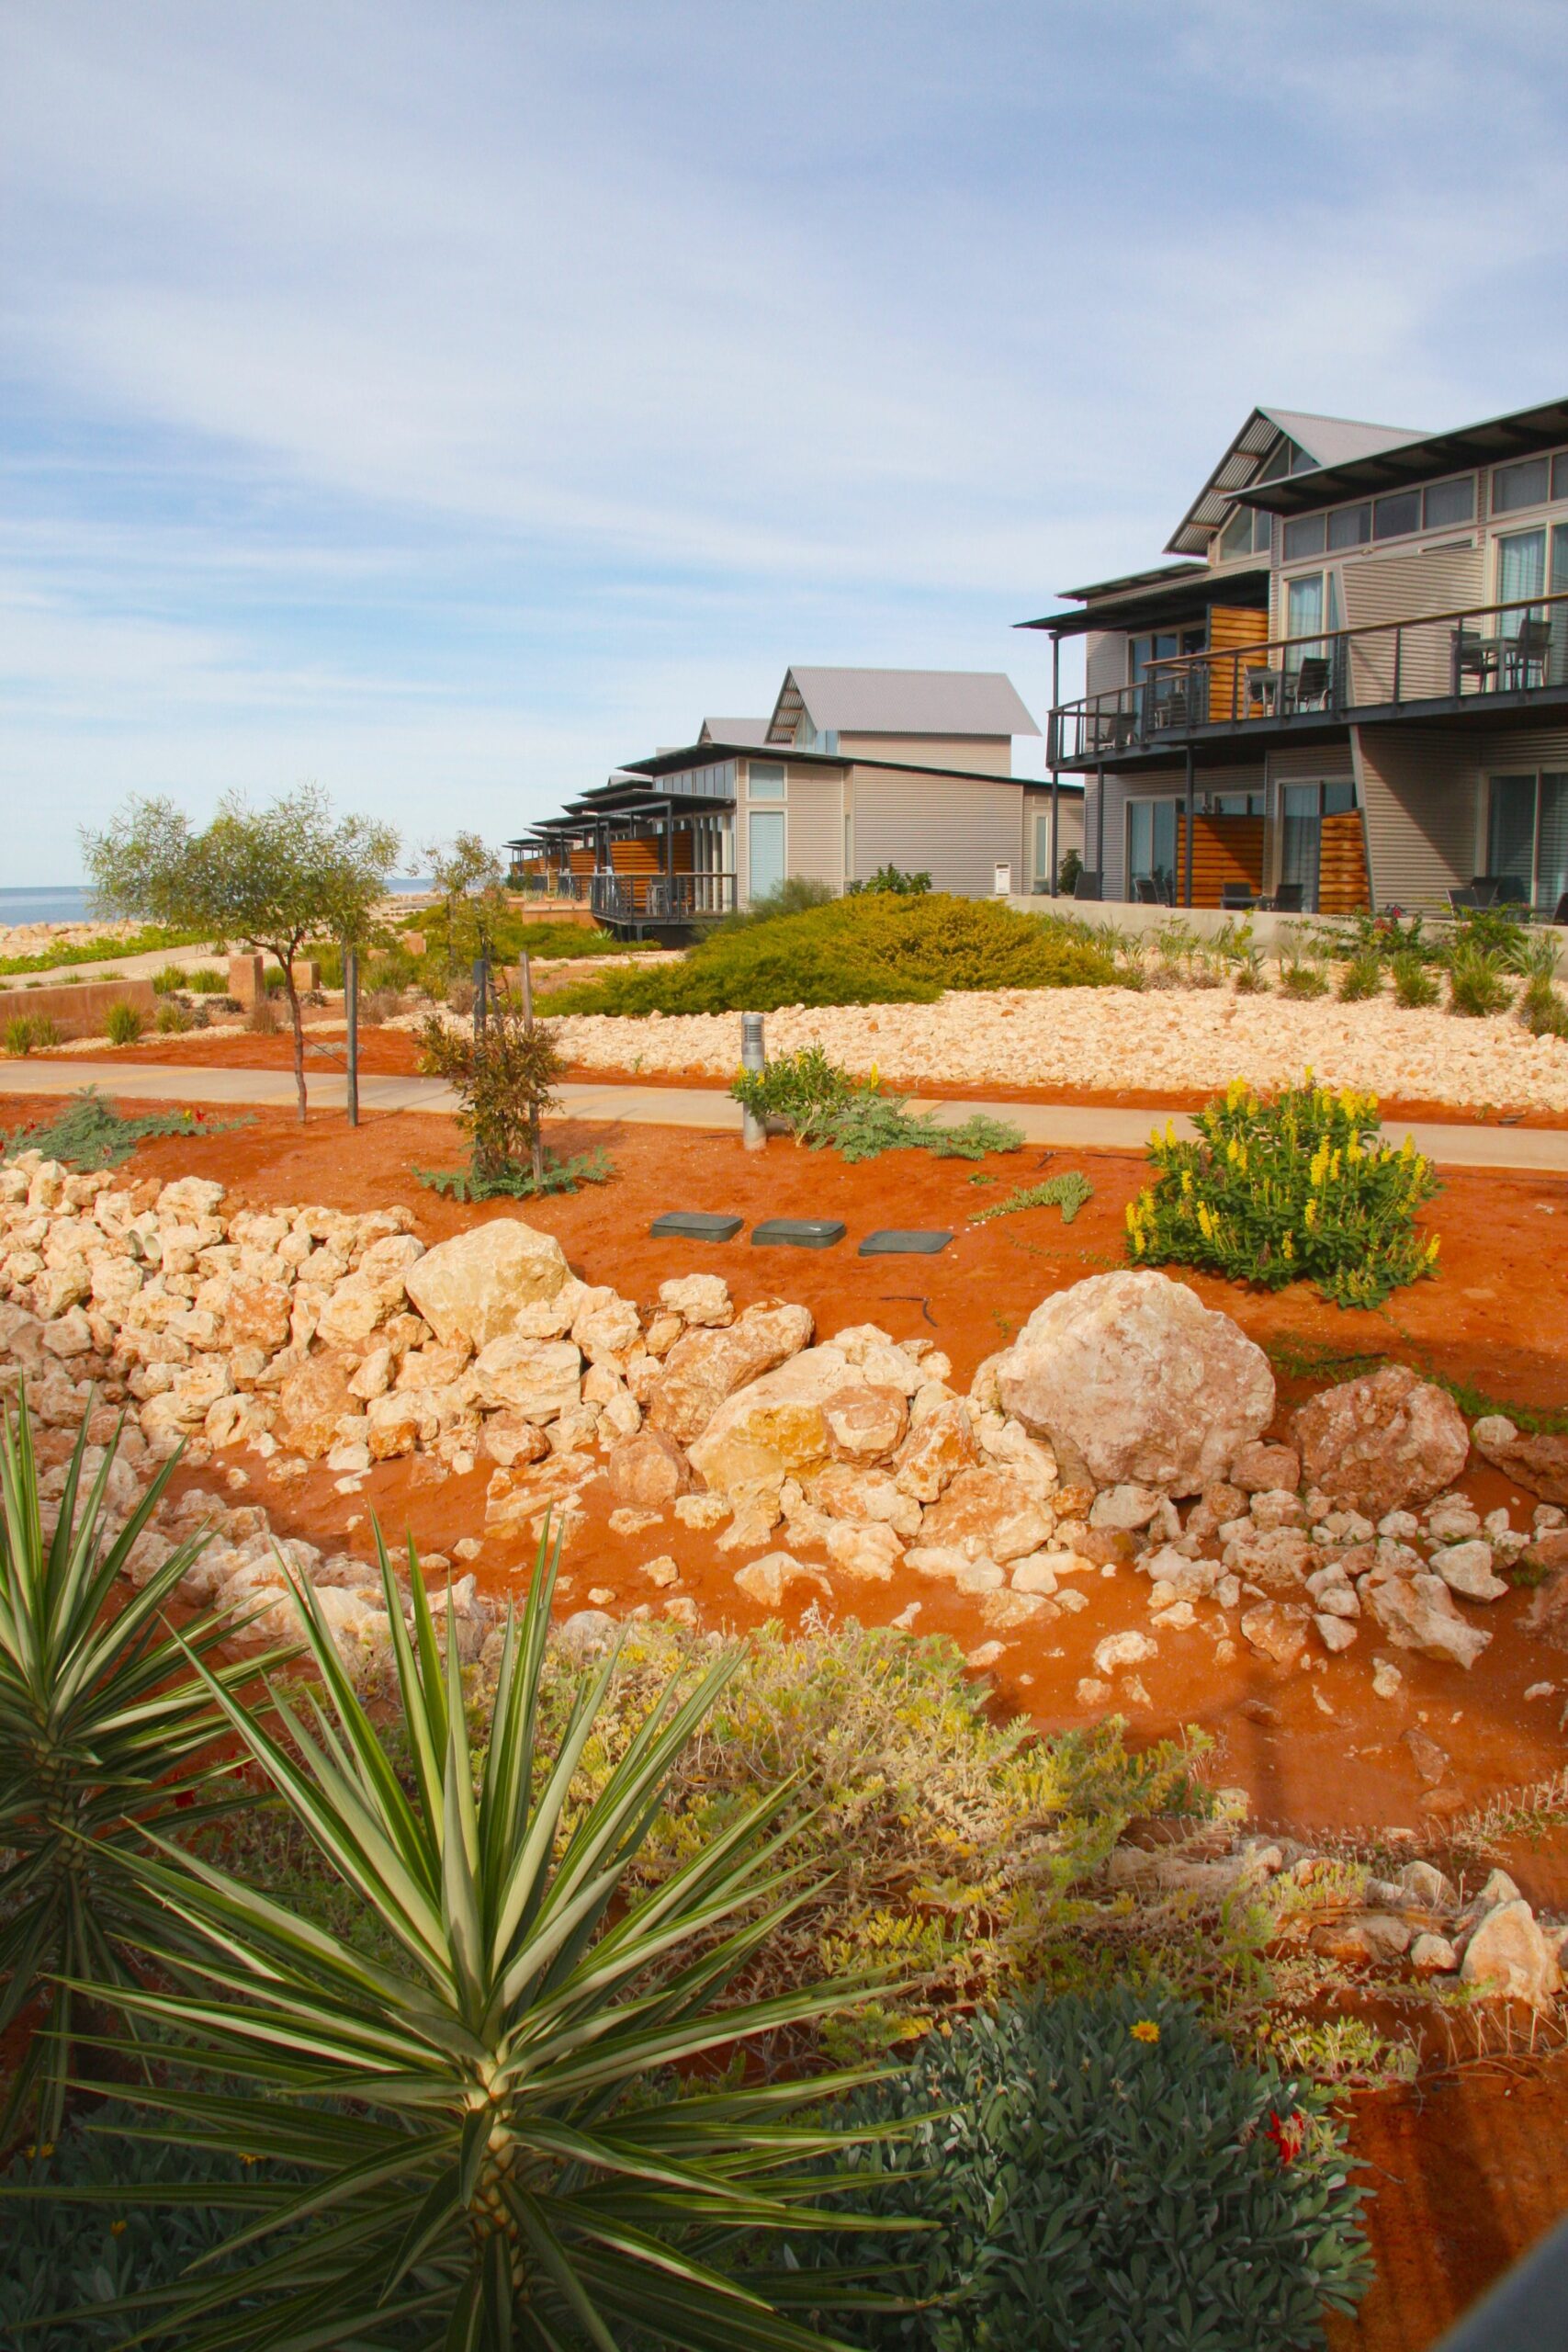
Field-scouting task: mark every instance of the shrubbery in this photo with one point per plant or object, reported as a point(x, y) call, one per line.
point(1294, 1187)
point(505, 1080)
point(873, 949)
point(124, 1024)
point(826, 1107)
point(29, 1032)
point(90, 1132)
point(1102, 2174)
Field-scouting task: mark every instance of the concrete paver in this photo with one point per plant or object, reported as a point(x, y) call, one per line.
point(1080, 1127)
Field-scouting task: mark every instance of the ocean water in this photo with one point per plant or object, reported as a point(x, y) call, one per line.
point(68, 903)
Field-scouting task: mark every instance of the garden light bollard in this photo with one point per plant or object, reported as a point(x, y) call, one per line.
point(754, 1056)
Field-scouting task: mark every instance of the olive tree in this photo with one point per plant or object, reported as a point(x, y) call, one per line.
point(271, 878)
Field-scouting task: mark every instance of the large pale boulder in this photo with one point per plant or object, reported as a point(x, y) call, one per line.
point(987, 1513)
point(474, 1284)
point(310, 1404)
point(255, 1315)
point(1539, 1462)
point(1507, 1957)
point(538, 1378)
point(865, 1423)
point(866, 1551)
point(709, 1364)
point(1134, 1381)
point(1382, 1443)
point(775, 1426)
point(356, 1305)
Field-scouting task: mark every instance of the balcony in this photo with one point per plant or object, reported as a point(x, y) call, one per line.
point(1488, 654)
point(641, 902)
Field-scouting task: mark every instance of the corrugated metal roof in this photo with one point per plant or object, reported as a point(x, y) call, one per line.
point(742, 732)
point(1413, 457)
point(906, 702)
point(1328, 440)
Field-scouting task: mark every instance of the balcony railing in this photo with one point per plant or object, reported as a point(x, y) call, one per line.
point(662, 898)
point(1518, 648)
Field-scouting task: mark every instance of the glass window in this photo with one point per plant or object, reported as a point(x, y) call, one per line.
point(1276, 463)
point(1397, 513)
point(767, 780)
point(1236, 537)
point(1151, 846)
point(1510, 830)
point(1308, 534)
point(1235, 804)
point(1449, 502)
point(1526, 484)
point(1339, 798)
point(1350, 526)
point(765, 829)
point(1552, 843)
point(1522, 572)
point(1304, 618)
point(1560, 476)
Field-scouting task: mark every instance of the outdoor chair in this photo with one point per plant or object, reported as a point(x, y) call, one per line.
point(1311, 690)
point(1526, 653)
point(1236, 898)
point(1171, 710)
point(1146, 891)
point(1464, 902)
point(1485, 887)
point(1262, 692)
point(1286, 900)
point(1559, 915)
point(1474, 657)
point(1086, 885)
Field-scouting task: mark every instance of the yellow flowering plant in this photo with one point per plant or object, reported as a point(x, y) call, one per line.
point(1290, 1187)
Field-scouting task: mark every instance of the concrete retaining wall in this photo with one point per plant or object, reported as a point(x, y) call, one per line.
point(79, 1012)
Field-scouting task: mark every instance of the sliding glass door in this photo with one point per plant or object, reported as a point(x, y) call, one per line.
point(1151, 851)
point(1527, 835)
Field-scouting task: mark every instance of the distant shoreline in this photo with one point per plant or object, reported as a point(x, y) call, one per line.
point(68, 901)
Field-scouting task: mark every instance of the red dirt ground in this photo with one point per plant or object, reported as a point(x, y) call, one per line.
point(1468, 2173)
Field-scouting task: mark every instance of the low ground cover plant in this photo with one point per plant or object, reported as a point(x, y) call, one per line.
point(1103, 2173)
point(828, 1108)
point(892, 883)
point(1292, 1187)
point(145, 942)
point(873, 949)
point(90, 1132)
point(1069, 1192)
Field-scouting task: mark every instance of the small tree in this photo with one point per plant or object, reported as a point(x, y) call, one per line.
point(468, 875)
point(505, 1078)
point(271, 878)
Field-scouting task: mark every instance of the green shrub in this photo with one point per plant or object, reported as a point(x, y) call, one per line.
point(1297, 1187)
point(89, 1133)
point(593, 1167)
point(1361, 978)
point(22, 1032)
point(1544, 1010)
point(826, 1107)
point(888, 881)
point(1069, 1192)
point(172, 1019)
point(873, 949)
point(1103, 2173)
point(204, 981)
point(1067, 872)
point(124, 1024)
point(1477, 985)
point(795, 895)
point(1413, 984)
point(1301, 975)
point(169, 980)
point(274, 979)
point(1251, 974)
point(1492, 931)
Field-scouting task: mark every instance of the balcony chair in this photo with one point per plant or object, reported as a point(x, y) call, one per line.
point(1526, 652)
point(1287, 899)
point(1310, 690)
point(1171, 710)
point(1086, 885)
point(1560, 914)
point(1464, 902)
point(1146, 891)
point(1262, 687)
point(1236, 898)
point(1474, 657)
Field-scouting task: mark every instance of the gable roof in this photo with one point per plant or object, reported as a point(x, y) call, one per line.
point(741, 732)
point(900, 702)
point(1327, 441)
point(1418, 459)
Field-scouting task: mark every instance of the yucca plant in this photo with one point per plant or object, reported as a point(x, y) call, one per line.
point(107, 1725)
point(515, 2131)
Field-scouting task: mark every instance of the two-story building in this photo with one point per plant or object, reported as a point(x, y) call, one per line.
point(1349, 689)
point(852, 771)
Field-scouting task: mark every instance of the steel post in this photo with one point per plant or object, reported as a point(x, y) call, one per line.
point(753, 1056)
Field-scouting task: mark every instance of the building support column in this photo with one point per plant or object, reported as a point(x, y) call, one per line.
point(1055, 778)
point(1186, 835)
point(1099, 825)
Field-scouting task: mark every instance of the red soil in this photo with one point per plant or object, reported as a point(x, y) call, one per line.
point(1469, 2176)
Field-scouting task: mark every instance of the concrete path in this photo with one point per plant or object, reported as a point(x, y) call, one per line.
point(1069, 1126)
point(120, 967)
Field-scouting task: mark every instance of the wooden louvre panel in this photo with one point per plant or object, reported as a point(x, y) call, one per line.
point(1342, 887)
point(1230, 627)
point(644, 854)
point(1224, 849)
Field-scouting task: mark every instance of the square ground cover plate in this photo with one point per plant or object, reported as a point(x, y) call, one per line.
point(904, 1241)
point(696, 1225)
point(798, 1232)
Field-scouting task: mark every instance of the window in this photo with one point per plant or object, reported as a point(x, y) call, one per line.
point(766, 780)
point(1449, 502)
point(1522, 572)
point(765, 868)
point(1151, 849)
point(1394, 515)
point(1350, 526)
point(1560, 476)
point(1308, 534)
point(1302, 807)
point(1247, 534)
point(1233, 804)
point(1527, 835)
point(1528, 484)
point(1163, 645)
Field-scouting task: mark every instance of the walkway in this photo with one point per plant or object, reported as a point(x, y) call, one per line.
point(1071, 1126)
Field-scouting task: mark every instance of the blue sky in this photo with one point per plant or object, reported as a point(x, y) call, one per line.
point(442, 401)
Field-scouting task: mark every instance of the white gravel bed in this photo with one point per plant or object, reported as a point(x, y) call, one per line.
point(1105, 1038)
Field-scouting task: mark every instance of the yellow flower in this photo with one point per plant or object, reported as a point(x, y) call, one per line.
point(1309, 1214)
point(1432, 1247)
point(1187, 1180)
point(116, 2229)
point(1287, 1248)
point(1144, 2029)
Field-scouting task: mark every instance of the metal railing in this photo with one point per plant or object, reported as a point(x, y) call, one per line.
point(1478, 650)
point(662, 898)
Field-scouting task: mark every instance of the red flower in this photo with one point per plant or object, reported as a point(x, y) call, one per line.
point(1288, 2134)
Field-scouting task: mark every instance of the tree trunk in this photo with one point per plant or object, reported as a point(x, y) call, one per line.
point(297, 1015)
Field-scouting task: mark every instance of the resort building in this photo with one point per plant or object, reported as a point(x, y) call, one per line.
point(1350, 687)
point(852, 770)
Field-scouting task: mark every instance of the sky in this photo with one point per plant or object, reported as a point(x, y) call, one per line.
point(442, 400)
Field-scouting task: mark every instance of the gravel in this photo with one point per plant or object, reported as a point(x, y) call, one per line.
point(1105, 1038)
